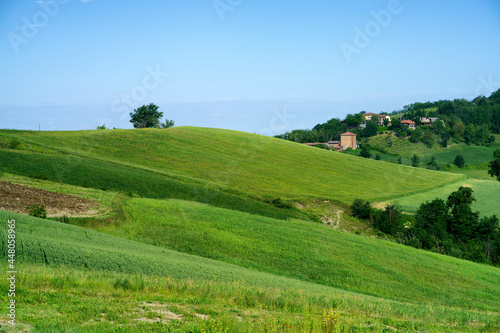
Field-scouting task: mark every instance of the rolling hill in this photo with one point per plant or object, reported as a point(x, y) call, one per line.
point(251, 164)
point(91, 281)
point(200, 234)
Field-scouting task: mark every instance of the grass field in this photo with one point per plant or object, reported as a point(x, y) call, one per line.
point(94, 282)
point(251, 164)
point(194, 240)
point(306, 251)
point(486, 192)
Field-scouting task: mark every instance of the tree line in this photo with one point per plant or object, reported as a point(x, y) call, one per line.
point(472, 122)
point(448, 227)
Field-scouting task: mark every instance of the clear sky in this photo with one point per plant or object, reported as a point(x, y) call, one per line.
point(251, 65)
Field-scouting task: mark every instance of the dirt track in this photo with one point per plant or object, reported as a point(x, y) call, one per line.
point(15, 198)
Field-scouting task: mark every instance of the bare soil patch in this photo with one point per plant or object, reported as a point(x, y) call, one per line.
point(15, 198)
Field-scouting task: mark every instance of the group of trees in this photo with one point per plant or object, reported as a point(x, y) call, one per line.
point(146, 116)
point(448, 227)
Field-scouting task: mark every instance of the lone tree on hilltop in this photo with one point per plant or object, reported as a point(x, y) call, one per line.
point(494, 165)
point(146, 116)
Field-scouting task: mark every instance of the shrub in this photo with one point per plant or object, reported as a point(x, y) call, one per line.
point(37, 211)
point(361, 209)
point(64, 219)
point(459, 161)
point(14, 144)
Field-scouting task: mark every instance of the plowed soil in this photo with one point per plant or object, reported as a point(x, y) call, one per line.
point(15, 198)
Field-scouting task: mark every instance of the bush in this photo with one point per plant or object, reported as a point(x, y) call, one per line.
point(459, 161)
point(13, 144)
point(37, 211)
point(64, 219)
point(361, 209)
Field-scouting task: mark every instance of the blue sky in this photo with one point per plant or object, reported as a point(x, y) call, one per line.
point(251, 65)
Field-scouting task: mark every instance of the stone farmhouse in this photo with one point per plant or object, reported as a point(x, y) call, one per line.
point(347, 140)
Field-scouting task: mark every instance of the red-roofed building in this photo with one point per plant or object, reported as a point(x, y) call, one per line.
point(379, 117)
point(348, 140)
point(408, 123)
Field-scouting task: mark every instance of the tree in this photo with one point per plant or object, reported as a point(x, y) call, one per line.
point(431, 223)
point(365, 152)
point(361, 209)
point(433, 164)
point(390, 220)
point(429, 138)
point(459, 161)
point(370, 129)
point(415, 161)
point(146, 116)
point(494, 165)
point(103, 127)
point(167, 124)
point(386, 122)
point(396, 123)
point(416, 135)
point(463, 221)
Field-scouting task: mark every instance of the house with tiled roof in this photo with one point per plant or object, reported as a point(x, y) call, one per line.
point(408, 123)
point(378, 117)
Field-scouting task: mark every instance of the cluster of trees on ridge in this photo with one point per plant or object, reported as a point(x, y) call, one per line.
point(147, 116)
point(472, 122)
point(450, 227)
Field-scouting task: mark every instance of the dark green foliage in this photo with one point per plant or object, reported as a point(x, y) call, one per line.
point(433, 164)
point(146, 116)
point(361, 209)
point(494, 165)
point(390, 220)
point(167, 124)
point(371, 129)
point(463, 221)
point(64, 219)
point(416, 135)
point(415, 160)
point(459, 161)
point(365, 151)
point(453, 228)
point(429, 138)
point(102, 127)
point(377, 156)
point(37, 211)
point(431, 222)
point(400, 160)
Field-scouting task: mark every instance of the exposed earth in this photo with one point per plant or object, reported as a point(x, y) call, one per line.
point(15, 198)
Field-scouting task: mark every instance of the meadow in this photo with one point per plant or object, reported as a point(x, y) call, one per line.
point(249, 163)
point(207, 230)
point(307, 251)
point(80, 280)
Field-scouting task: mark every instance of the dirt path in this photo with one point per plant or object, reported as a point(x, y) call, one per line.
point(15, 198)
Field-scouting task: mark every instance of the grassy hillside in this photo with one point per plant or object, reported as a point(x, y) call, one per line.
point(486, 192)
point(472, 154)
point(249, 163)
point(310, 252)
point(97, 174)
point(78, 288)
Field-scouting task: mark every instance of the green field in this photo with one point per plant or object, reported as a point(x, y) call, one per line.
point(486, 192)
point(251, 164)
point(69, 279)
point(206, 230)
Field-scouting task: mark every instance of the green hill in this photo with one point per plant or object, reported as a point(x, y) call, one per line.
point(146, 285)
point(248, 163)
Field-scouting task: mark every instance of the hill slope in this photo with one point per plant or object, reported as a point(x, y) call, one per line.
point(249, 163)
